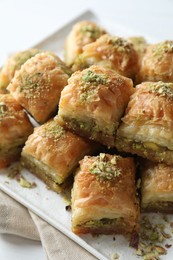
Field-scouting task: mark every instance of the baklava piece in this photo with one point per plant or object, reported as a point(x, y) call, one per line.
point(38, 84)
point(104, 196)
point(157, 187)
point(51, 153)
point(15, 128)
point(81, 34)
point(93, 103)
point(110, 52)
point(147, 127)
point(13, 64)
point(157, 63)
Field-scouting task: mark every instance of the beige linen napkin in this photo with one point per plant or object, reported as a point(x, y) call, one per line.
point(16, 219)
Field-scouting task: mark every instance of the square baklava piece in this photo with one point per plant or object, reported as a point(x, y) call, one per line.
point(147, 127)
point(157, 63)
point(104, 196)
point(109, 52)
point(156, 187)
point(82, 33)
point(38, 84)
point(15, 128)
point(93, 103)
point(52, 154)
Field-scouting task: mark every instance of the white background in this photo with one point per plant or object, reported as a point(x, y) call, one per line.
point(24, 23)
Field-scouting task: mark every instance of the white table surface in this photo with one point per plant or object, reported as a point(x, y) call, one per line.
point(24, 23)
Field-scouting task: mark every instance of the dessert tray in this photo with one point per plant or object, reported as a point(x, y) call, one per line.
point(52, 207)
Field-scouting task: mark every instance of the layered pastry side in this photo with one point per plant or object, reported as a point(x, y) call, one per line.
point(104, 196)
point(38, 84)
point(147, 127)
point(109, 52)
point(13, 64)
point(156, 187)
point(52, 153)
point(15, 128)
point(93, 102)
point(81, 34)
point(157, 63)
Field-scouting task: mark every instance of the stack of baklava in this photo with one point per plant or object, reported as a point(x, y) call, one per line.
point(95, 124)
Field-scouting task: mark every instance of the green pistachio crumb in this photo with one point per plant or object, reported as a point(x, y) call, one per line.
point(26, 184)
point(104, 168)
point(91, 31)
point(53, 130)
point(162, 89)
point(162, 48)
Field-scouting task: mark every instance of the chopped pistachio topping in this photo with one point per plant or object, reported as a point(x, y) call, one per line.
point(96, 79)
point(91, 31)
point(53, 130)
point(91, 81)
point(162, 89)
point(32, 84)
point(162, 48)
point(120, 44)
point(104, 168)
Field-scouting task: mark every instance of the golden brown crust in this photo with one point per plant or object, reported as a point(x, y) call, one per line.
point(93, 103)
point(13, 64)
point(147, 127)
point(157, 63)
point(38, 85)
point(15, 127)
point(81, 34)
point(110, 52)
point(98, 194)
point(53, 150)
point(157, 187)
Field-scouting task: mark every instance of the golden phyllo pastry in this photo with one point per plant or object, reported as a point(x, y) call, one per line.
point(15, 128)
point(157, 63)
point(81, 34)
point(147, 127)
point(104, 196)
point(52, 153)
point(110, 52)
point(38, 84)
point(13, 64)
point(93, 103)
point(157, 187)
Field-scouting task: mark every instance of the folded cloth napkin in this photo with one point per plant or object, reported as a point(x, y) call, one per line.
point(16, 219)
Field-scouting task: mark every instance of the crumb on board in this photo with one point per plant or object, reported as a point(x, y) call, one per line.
point(153, 238)
point(14, 172)
point(26, 184)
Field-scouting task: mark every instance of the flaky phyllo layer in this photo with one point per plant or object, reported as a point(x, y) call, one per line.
point(146, 128)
